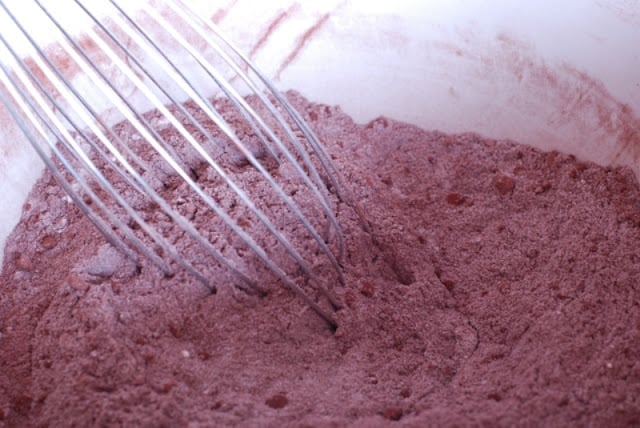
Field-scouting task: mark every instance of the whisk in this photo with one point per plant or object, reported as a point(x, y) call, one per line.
point(67, 92)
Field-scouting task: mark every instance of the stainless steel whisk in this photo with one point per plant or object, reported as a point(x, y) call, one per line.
point(66, 96)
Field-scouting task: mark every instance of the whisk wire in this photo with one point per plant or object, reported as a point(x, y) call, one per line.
point(62, 135)
point(207, 199)
point(49, 114)
point(251, 116)
point(70, 144)
point(100, 79)
point(28, 107)
point(183, 10)
point(210, 111)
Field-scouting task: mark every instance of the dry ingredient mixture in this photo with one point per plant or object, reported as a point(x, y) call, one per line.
point(498, 286)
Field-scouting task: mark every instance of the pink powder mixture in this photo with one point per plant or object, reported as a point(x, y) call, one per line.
point(497, 286)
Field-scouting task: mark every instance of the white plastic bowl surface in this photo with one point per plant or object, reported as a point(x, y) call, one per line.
point(553, 74)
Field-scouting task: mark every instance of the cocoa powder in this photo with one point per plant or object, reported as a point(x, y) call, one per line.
point(491, 283)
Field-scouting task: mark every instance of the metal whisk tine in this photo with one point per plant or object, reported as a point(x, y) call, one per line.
point(238, 190)
point(182, 9)
point(24, 101)
point(67, 115)
point(34, 102)
point(200, 26)
point(154, 139)
point(253, 119)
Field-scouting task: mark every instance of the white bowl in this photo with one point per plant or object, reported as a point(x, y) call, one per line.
point(555, 75)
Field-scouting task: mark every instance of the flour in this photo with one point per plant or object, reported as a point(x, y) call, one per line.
point(487, 283)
